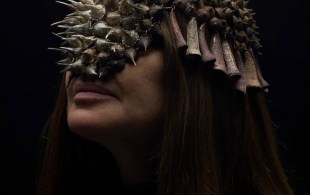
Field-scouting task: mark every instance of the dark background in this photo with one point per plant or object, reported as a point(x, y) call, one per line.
point(29, 78)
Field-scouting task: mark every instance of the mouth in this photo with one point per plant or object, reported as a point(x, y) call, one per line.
point(85, 92)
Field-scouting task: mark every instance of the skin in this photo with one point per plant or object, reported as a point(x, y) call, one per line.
point(127, 120)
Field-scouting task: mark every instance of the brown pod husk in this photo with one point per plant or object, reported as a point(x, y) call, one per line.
point(88, 56)
point(193, 50)
point(131, 55)
point(206, 54)
point(97, 11)
point(101, 29)
point(129, 23)
point(113, 18)
point(179, 39)
point(265, 85)
point(115, 35)
point(82, 29)
point(204, 13)
point(125, 7)
point(103, 45)
point(144, 42)
point(250, 70)
point(130, 38)
point(217, 50)
point(117, 49)
point(231, 65)
point(156, 12)
point(240, 84)
point(218, 23)
point(91, 70)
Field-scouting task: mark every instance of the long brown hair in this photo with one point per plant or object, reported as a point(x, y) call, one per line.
point(215, 140)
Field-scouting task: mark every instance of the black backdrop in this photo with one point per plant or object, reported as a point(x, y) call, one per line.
point(29, 78)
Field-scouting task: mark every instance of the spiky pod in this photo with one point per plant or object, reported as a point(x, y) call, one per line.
point(101, 36)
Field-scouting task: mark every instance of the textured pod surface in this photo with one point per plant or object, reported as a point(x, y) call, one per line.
point(101, 34)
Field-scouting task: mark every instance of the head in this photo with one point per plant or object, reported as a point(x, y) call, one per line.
point(209, 136)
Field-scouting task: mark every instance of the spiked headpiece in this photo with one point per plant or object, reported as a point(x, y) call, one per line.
point(101, 36)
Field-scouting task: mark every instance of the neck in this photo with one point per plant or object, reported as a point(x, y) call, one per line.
point(134, 160)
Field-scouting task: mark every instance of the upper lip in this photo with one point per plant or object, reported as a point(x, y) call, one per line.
point(91, 87)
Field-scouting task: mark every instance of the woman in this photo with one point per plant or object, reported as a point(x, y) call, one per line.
point(160, 97)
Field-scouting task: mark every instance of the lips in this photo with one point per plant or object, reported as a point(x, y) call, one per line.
point(90, 91)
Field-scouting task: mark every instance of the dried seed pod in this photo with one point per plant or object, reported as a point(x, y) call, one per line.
point(130, 38)
point(144, 42)
point(129, 23)
point(206, 55)
point(131, 55)
point(156, 12)
point(76, 66)
point(111, 4)
point(85, 14)
point(231, 65)
point(116, 65)
point(72, 52)
point(217, 23)
point(72, 42)
point(117, 49)
point(164, 1)
point(101, 29)
point(241, 46)
point(190, 10)
point(217, 50)
point(205, 13)
point(250, 69)
point(125, 7)
point(249, 31)
point(91, 70)
point(103, 45)
point(141, 10)
point(179, 39)
point(86, 40)
point(240, 36)
point(115, 35)
point(101, 58)
point(90, 2)
point(88, 56)
point(68, 21)
point(193, 50)
point(77, 6)
point(225, 13)
point(180, 4)
point(144, 25)
point(103, 72)
point(97, 11)
point(248, 20)
point(82, 29)
point(265, 85)
point(240, 83)
point(113, 18)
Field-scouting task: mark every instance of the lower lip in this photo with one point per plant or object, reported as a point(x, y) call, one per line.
point(89, 97)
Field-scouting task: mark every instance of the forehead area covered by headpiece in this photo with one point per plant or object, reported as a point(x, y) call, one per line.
point(101, 36)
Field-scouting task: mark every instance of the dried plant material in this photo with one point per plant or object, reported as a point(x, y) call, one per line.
point(206, 54)
point(144, 42)
point(250, 70)
point(101, 34)
point(240, 84)
point(179, 39)
point(231, 65)
point(217, 50)
point(193, 50)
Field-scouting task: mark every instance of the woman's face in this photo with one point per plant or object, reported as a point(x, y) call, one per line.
point(127, 106)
